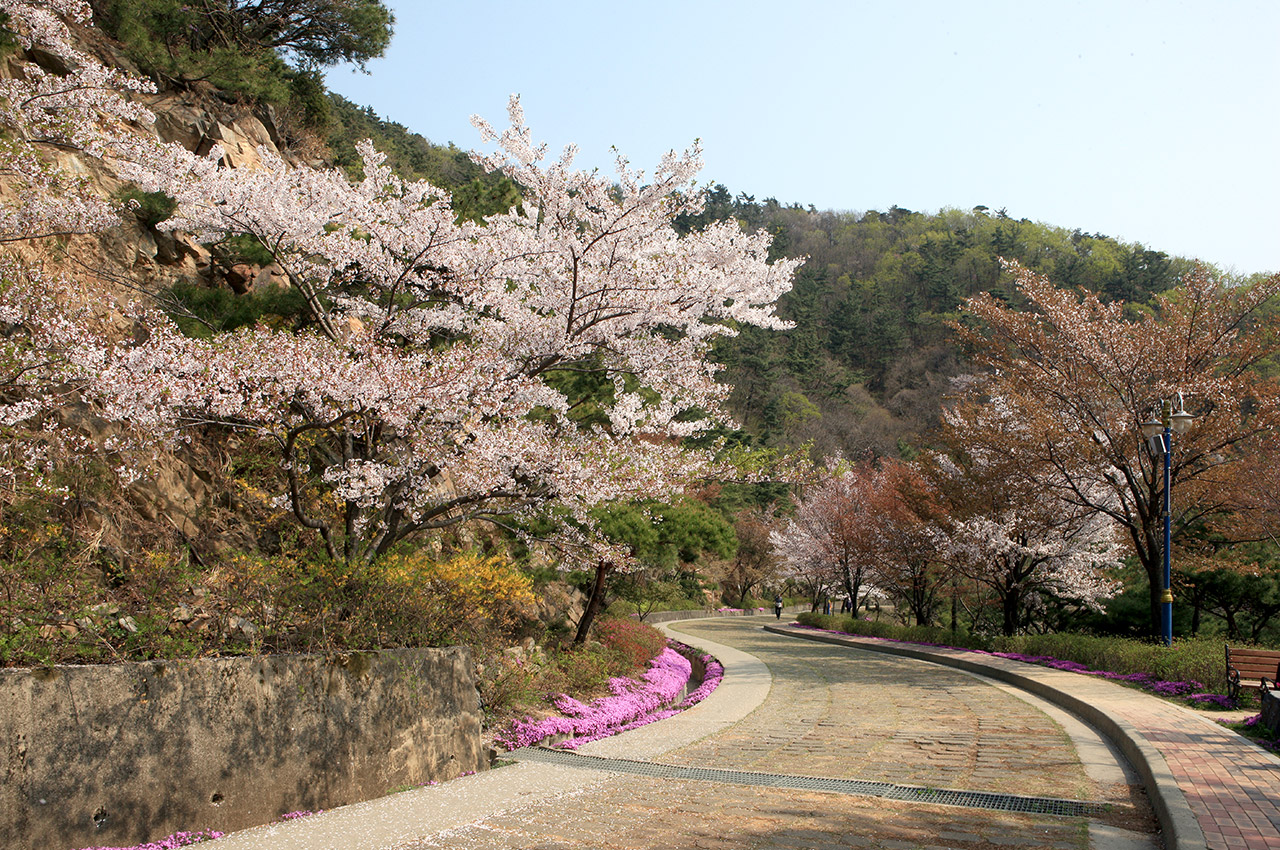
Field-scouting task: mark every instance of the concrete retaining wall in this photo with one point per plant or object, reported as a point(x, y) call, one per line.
point(1271, 710)
point(115, 755)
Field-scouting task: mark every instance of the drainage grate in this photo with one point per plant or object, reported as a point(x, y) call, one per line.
point(910, 793)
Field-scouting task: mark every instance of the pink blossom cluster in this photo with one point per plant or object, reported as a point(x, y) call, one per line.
point(631, 705)
point(44, 115)
point(183, 839)
point(1255, 725)
point(178, 839)
point(299, 814)
point(710, 681)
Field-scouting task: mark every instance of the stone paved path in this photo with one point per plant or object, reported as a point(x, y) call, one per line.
point(1228, 787)
point(840, 713)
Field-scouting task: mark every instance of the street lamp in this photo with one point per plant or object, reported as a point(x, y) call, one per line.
point(1159, 434)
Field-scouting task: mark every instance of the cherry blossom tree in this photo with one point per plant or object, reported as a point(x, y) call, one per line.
point(428, 390)
point(80, 107)
point(58, 117)
point(1078, 376)
point(832, 533)
point(433, 379)
point(909, 537)
point(870, 526)
point(1023, 543)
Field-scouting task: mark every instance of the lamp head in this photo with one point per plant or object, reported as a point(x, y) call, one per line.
point(1180, 421)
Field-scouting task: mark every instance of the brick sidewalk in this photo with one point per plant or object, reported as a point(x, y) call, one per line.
point(1230, 785)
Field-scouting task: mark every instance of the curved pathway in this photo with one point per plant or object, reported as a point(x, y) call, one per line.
point(826, 711)
point(1212, 788)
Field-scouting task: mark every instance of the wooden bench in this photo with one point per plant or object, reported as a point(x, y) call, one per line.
point(1250, 664)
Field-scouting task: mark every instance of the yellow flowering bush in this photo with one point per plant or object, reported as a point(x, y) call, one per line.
point(408, 598)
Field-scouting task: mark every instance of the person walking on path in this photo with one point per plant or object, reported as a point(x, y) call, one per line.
point(777, 606)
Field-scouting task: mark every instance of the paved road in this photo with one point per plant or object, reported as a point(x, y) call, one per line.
point(839, 713)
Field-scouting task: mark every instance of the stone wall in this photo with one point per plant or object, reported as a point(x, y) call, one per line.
point(115, 755)
point(1271, 710)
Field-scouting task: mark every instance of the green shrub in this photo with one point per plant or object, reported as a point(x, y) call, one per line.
point(310, 99)
point(202, 311)
point(150, 208)
point(403, 599)
point(516, 684)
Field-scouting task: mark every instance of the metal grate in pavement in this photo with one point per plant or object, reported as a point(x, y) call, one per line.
point(886, 790)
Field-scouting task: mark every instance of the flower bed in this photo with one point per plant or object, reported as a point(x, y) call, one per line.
point(178, 839)
point(631, 704)
point(185, 839)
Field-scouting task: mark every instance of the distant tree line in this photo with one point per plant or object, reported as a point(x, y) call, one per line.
point(871, 356)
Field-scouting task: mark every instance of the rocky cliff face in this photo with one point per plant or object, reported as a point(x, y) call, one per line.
point(135, 255)
point(187, 499)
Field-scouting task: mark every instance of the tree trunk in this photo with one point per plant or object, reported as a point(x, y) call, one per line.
point(852, 586)
point(1012, 602)
point(603, 568)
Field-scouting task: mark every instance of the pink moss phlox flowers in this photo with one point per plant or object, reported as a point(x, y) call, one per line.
point(184, 839)
point(710, 681)
point(570, 707)
point(178, 839)
point(631, 704)
point(1252, 724)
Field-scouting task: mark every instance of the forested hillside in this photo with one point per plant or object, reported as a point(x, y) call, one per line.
point(868, 363)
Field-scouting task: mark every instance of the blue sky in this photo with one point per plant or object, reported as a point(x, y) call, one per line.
point(1152, 122)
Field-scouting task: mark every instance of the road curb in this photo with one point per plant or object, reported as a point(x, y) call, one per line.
point(1179, 827)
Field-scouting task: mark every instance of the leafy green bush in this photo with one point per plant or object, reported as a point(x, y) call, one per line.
point(403, 599)
point(1189, 659)
point(308, 95)
point(52, 612)
point(151, 208)
point(515, 683)
point(201, 311)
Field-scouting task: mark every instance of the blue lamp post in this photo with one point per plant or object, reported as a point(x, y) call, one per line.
point(1159, 434)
